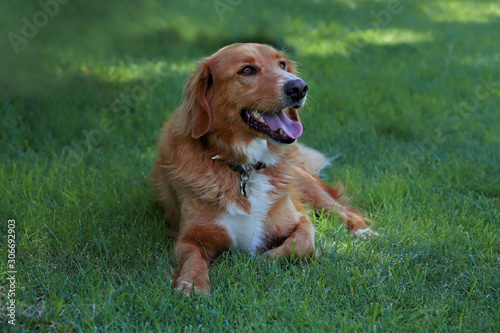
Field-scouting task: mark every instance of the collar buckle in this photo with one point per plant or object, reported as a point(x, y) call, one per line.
point(245, 177)
point(245, 173)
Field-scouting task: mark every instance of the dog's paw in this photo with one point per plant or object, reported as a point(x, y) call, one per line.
point(275, 253)
point(364, 234)
point(188, 289)
point(282, 252)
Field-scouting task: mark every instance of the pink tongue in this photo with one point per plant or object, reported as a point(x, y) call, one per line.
point(275, 121)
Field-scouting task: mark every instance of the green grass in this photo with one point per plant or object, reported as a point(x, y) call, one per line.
point(401, 106)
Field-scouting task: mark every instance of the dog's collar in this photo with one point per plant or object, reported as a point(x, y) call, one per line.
point(247, 168)
point(245, 172)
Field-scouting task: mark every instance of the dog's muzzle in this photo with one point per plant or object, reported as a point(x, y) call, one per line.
point(296, 90)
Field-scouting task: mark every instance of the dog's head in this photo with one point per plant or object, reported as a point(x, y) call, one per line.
point(245, 91)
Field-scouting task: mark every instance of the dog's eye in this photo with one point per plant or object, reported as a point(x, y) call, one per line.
point(248, 70)
point(282, 65)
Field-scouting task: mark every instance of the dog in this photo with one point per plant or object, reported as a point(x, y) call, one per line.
point(229, 172)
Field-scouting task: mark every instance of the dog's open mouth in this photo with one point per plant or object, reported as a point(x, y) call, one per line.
point(276, 125)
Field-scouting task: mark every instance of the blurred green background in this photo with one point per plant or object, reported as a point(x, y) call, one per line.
point(100, 49)
point(409, 62)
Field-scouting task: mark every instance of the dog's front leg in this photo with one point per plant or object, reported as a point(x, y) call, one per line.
point(330, 199)
point(192, 272)
point(300, 244)
point(194, 250)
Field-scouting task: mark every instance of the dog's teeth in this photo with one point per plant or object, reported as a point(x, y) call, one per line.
point(257, 115)
point(282, 133)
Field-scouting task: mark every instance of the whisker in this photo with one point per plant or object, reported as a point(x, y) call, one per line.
point(309, 96)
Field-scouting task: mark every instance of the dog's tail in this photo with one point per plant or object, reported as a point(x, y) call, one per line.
point(313, 161)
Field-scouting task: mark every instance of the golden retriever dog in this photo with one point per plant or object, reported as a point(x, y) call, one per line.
point(229, 172)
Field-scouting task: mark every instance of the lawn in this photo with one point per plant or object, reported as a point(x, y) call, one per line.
point(404, 97)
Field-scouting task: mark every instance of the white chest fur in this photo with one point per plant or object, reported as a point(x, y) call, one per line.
point(258, 151)
point(247, 230)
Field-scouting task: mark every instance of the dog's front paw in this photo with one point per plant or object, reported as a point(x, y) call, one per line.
point(283, 252)
point(364, 234)
point(194, 287)
point(275, 253)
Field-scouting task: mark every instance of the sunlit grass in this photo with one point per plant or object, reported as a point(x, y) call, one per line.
point(462, 11)
point(391, 36)
point(320, 42)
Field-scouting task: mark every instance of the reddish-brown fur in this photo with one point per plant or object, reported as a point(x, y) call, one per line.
point(197, 187)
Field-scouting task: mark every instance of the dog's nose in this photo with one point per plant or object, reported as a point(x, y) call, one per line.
point(296, 89)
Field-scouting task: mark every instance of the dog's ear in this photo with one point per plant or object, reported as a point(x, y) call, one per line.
point(198, 93)
point(293, 114)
